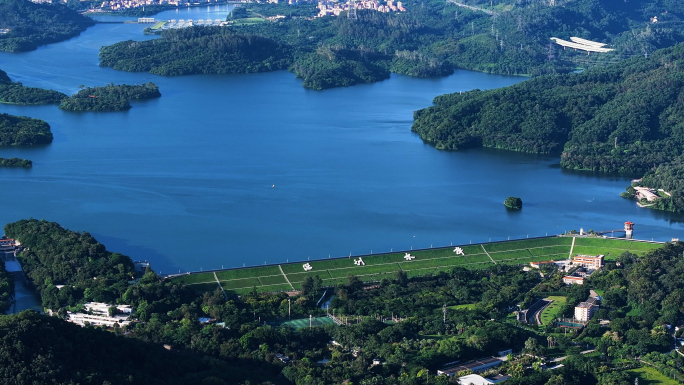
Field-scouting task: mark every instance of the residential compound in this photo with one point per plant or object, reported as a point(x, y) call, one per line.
point(334, 8)
point(588, 265)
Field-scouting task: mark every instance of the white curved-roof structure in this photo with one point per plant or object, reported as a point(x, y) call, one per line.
point(579, 40)
point(583, 47)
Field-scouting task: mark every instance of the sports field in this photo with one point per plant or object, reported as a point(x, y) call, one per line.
point(551, 312)
point(375, 267)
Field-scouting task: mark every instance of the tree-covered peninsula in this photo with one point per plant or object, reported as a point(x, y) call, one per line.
point(109, 98)
point(16, 93)
point(625, 117)
point(23, 131)
point(26, 25)
point(430, 39)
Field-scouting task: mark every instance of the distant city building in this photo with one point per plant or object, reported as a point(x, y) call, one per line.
point(330, 8)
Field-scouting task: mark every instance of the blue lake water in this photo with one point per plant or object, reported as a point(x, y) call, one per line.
point(226, 170)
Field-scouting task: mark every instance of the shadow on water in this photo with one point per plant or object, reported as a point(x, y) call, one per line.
point(513, 212)
point(162, 263)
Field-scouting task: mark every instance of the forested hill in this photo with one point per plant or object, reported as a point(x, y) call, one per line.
point(626, 117)
point(430, 39)
point(31, 25)
point(197, 50)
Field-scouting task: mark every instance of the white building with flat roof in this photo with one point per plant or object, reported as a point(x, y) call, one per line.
point(97, 314)
point(588, 261)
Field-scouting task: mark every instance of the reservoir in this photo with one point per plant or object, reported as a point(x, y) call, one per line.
point(233, 170)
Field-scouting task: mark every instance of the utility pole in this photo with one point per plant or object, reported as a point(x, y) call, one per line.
point(444, 311)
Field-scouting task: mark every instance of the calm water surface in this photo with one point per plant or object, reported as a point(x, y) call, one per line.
point(226, 170)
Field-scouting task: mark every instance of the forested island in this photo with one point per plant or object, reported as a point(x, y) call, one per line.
point(23, 131)
point(214, 337)
point(28, 25)
point(430, 39)
point(15, 162)
point(109, 98)
point(16, 93)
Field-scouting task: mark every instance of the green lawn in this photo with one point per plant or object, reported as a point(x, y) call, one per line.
point(649, 376)
point(551, 312)
point(429, 261)
point(612, 248)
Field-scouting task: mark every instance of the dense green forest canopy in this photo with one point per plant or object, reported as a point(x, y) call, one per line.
point(625, 117)
point(430, 39)
point(197, 50)
point(16, 93)
point(15, 162)
point(247, 337)
point(23, 131)
point(31, 25)
point(6, 288)
point(57, 256)
point(109, 98)
point(39, 349)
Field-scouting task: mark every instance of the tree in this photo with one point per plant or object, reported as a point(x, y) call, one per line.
point(513, 203)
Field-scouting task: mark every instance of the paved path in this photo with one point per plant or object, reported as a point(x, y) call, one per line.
point(288, 281)
point(490, 257)
point(470, 7)
point(221, 286)
point(572, 247)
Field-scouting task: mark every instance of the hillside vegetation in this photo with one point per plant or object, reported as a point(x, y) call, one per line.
point(31, 25)
point(16, 93)
point(57, 256)
point(197, 50)
point(430, 39)
point(626, 117)
point(23, 131)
